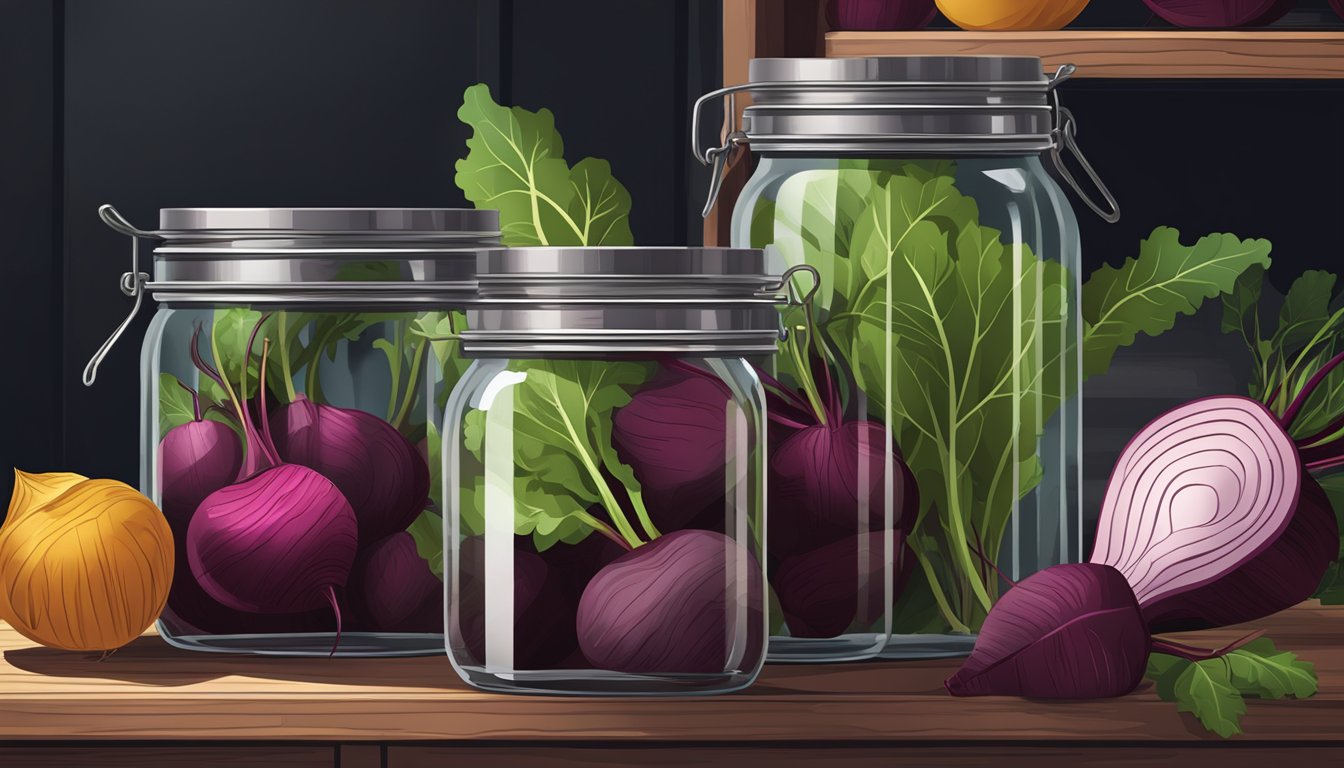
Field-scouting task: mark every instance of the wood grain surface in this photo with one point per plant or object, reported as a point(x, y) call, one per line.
point(1124, 53)
point(150, 691)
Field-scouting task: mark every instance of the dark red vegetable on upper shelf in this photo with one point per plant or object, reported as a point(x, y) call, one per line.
point(673, 605)
point(378, 470)
point(1338, 5)
point(1219, 14)
point(879, 15)
point(394, 588)
point(1068, 632)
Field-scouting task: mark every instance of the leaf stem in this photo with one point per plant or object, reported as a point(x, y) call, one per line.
point(938, 596)
point(412, 381)
point(1303, 394)
point(281, 322)
point(602, 528)
point(1193, 653)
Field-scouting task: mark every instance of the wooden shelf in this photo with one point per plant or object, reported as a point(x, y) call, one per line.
point(149, 694)
point(1124, 53)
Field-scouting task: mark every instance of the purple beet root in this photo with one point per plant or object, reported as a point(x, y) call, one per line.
point(195, 460)
point(827, 482)
point(675, 605)
point(837, 588)
point(191, 611)
point(1069, 632)
point(574, 565)
point(672, 435)
point(1265, 584)
point(394, 589)
point(543, 614)
point(378, 470)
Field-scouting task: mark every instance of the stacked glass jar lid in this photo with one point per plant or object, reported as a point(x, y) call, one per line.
point(605, 472)
point(292, 381)
point(941, 352)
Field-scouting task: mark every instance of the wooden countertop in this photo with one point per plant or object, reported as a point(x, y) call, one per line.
point(150, 692)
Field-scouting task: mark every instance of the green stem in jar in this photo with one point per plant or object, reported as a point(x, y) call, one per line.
point(805, 373)
point(939, 596)
point(281, 321)
point(412, 381)
point(603, 528)
point(314, 382)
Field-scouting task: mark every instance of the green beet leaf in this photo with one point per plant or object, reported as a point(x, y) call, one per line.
point(516, 164)
point(1167, 279)
point(427, 531)
point(176, 409)
point(1205, 690)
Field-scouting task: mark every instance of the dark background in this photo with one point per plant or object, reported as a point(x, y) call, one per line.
point(163, 103)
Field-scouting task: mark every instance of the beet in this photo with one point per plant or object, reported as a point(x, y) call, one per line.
point(665, 608)
point(1069, 632)
point(1338, 5)
point(574, 565)
point(195, 460)
point(191, 611)
point(879, 15)
point(826, 483)
point(378, 470)
point(1210, 516)
point(543, 613)
point(279, 542)
point(1218, 14)
point(1265, 584)
point(672, 435)
point(394, 588)
point(832, 589)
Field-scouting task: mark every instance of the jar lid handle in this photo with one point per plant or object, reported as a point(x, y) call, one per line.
point(132, 284)
point(1064, 137)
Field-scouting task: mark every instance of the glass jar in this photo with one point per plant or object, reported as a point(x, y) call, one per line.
point(947, 325)
point(605, 468)
point(292, 380)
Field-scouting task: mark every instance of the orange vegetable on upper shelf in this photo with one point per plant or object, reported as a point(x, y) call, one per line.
point(1012, 14)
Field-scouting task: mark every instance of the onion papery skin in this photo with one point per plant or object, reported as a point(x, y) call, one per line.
point(378, 470)
point(825, 592)
point(1072, 631)
point(32, 490)
point(543, 612)
point(879, 15)
point(89, 570)
point(277, 542)
point(1281, 576)
point(1200, 491)
point(195, 460)
point(1012, 14)
point(672, 606)
point(1220, 14)
point(672, 435)
point(395, 588)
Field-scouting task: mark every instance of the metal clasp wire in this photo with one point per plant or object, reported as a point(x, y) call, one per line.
point(1064, 136)
point(792, 300)
point(132, 284)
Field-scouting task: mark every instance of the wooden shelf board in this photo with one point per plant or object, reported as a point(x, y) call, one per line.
point(150, 691)
point(1125, 53)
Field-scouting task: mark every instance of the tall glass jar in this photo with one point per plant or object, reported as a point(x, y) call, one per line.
point(605, 468)
point(292, 381)
point(947, 322)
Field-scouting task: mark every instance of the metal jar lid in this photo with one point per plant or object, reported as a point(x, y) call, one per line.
point(941, 106)
point(556, 302)
point(348, 259)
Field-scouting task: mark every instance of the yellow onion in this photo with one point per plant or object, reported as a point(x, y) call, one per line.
point(34, 490)
point(1012, 14)
point(87, 570)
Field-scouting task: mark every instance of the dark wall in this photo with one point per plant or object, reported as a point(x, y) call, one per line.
point(162, 103)
point(158, 103)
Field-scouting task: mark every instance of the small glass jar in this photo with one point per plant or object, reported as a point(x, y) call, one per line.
point(605, 469)
point(945, 336)
point(292, 379)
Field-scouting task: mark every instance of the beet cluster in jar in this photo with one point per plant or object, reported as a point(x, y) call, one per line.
point(292, 379)
point(605, 470)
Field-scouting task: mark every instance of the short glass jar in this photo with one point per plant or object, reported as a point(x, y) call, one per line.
point(605, 470)
point(292, 379)
point(947, 328)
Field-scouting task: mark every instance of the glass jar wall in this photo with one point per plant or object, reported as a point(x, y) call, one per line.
point(605, 467)
point(947, 323)
point(290, 456)
point(606, 525)
point(292, 380)
point(950, 328)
